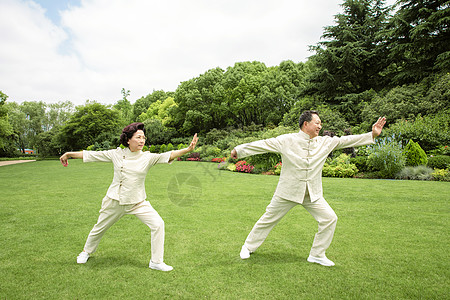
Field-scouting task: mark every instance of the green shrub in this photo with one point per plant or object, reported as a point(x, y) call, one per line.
point(163, 148)
point(264, 162)
point(169, 147)
point(442, 150)
point(361, 163)
point(106, 145)
point(430, 131)
point(439, 162)
point(415, 173)
point(414, 154)
point(386, 157)
point(339, 167)
point(441, 175)
point(277, 168)
point(231, 167)
point(152, 149)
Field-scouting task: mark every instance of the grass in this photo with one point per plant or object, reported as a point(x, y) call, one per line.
point(391, 240)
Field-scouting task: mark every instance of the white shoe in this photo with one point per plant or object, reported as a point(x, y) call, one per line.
point(245, 253)
point(324, 261)
point(160, 267)
point(82, 258)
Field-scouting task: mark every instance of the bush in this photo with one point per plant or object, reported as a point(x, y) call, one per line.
point(442, 150)
point(169, 147)
point(415, 173)
point(223, 165)
point(430, 131)
point(264, 162)
point(439, 162)
point(163, 148)
point(194, 156)
point(414, 154)
point(339, 167)
point(387, 157)
point(231, 167)
point(441, 175)
point(106, 145)
point(277, 168)
point(361, 163)
point(153, 149)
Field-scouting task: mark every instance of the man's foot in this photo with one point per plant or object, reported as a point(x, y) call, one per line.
point(82, 258)
point(245, 253)
point(160, 267)
point(324, 261)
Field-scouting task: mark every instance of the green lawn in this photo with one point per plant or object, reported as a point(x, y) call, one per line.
point(391, 241)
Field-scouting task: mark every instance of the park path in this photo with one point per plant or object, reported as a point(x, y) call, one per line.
point(11, 162)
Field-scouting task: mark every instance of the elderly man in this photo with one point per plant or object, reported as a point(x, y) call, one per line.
point(303, 155)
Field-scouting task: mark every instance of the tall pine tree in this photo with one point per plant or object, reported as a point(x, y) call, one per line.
point(352, 57)
point(419, 40)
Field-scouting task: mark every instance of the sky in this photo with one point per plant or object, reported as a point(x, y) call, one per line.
point(78, 50)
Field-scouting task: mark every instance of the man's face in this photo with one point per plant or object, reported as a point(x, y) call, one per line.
point(312, 127)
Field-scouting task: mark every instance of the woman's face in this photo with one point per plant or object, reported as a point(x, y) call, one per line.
point(137, 141)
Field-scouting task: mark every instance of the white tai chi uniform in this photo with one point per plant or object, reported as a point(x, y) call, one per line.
point(300, 182)
point(126, 195)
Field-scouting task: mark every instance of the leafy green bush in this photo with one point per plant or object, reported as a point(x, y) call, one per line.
point(153, 149)
point(420, 172)
point(387, 157)
point(439, 162)
point(277, 168)
point(430, 132)
point(361, 163)
point(339, 167)
point(441, 175)
point(442, 150)
point(414, 154)
point(163, 148)
point(264, 162)
point(106, 145)
point(169, 147)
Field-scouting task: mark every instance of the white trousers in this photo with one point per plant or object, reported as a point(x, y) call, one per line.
point(279, 207)
point(111, 212)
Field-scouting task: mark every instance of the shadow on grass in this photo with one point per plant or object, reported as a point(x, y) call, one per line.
point(108, 262)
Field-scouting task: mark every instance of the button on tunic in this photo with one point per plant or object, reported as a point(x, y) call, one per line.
point(130, 170)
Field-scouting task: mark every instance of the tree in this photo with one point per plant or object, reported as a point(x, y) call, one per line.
point(200, 104)
point(124, 108)
point(353, 57)
point(159, 110)
point(418, 40)
point(141, 105)
point(57, 114)
point(18, 121)
point(5, 127)
point(91, 123)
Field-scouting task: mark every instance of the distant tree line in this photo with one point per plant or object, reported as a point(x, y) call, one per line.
point(375, 60)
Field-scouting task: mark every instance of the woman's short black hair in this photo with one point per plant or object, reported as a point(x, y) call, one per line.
point(128, 131)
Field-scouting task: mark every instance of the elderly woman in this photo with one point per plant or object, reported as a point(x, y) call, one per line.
point(126, 194)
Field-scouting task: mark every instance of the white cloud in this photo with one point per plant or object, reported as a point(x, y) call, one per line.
point(106, 45)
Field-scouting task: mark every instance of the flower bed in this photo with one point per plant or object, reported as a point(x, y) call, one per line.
point(243, 166)
point(219, 159)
